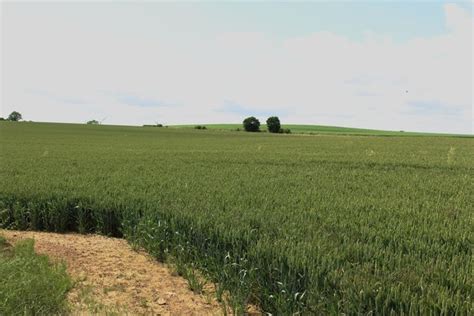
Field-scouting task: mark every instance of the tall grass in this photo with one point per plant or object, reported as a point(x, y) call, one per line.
point(29, 283)
point(328, 224)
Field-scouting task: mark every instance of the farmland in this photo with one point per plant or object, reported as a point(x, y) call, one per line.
point(319, 224)
point(320, 129)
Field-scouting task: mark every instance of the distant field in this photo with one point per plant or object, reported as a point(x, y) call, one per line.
point(321, 129)
point(312, 225)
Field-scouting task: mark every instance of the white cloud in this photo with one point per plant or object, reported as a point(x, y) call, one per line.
point(457, 19)
point(322, 78)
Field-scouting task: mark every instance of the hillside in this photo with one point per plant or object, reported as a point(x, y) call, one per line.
point(323, 129)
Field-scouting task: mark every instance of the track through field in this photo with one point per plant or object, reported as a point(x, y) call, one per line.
point(110, 277)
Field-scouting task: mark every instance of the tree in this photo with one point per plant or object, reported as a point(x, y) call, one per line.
point(93, 122)
point(14, 116)
point(273, 124)
point(251, 124)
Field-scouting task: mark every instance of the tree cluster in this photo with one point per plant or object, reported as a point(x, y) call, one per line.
point(13, 117)
point(252, 124)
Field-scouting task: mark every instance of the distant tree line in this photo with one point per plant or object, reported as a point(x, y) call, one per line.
point(252, 124)
point(13, 117)
point(154, 125)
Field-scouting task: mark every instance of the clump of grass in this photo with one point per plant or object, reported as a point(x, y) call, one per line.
point(29, 283)
point(451, 155)
point(3, 241)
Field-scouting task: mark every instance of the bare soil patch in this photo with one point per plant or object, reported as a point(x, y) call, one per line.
point(112, 278)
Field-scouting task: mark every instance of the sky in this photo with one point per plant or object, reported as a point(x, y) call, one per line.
point(398, 65)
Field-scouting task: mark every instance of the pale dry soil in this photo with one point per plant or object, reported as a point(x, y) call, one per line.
point(112, 278)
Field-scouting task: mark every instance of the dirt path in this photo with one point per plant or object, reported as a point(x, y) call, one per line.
point(113, 278)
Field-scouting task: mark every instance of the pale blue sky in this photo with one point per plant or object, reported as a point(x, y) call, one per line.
point(337, 63)
point(400, 20)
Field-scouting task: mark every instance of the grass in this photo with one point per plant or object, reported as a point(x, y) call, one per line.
point(312, 225)
point(30, 284)
point(322, 129)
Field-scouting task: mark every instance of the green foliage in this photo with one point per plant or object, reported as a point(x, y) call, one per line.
point(200, 127)
point(30, 284)
point(273, 124)
point(156, 125)
point(323, 225)
point(92, 122)
point(284, 131)
point(251, 124)
point(14, 116)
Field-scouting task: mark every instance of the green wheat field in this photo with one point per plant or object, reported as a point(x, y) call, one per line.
point(332, 223)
